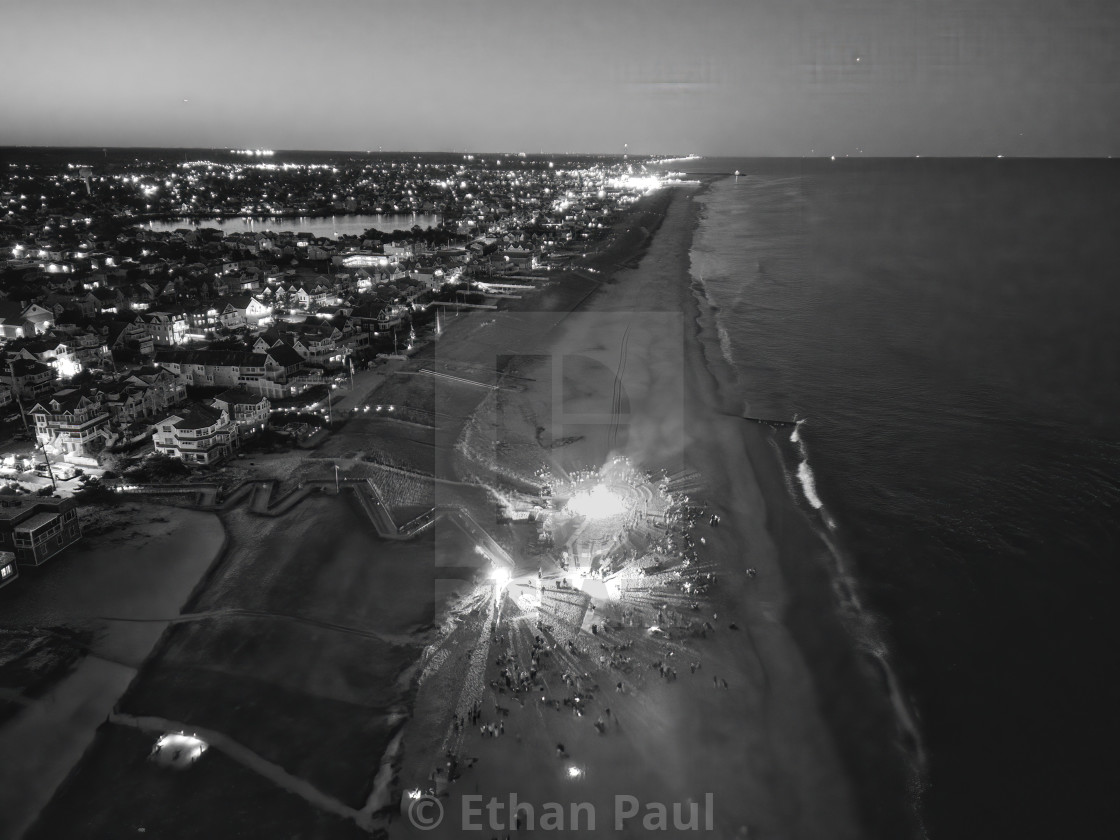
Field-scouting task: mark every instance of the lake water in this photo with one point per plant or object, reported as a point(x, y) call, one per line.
point(329, 226)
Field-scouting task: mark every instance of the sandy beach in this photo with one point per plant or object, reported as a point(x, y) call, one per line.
point(764, 747)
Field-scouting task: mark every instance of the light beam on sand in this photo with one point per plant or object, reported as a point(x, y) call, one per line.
point(598, 503)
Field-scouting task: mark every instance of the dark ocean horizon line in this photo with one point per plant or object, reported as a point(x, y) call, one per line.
point(669, 156)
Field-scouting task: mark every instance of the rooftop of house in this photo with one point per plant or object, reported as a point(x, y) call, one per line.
point(193, 417)
point(14, 508)
point(238, 396)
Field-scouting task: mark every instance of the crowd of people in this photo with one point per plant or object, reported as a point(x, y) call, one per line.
point(558, 660)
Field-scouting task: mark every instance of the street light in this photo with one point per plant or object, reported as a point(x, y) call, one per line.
point(50, 471)
point(19, 395)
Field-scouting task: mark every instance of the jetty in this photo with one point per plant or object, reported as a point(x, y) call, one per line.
point(773, 424)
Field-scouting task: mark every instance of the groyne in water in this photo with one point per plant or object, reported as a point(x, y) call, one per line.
point(773, 424)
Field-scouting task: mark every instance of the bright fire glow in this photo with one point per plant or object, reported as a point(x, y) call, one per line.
point(181, 747)
point(600, 503)
point(500, 576)
point(574, 772)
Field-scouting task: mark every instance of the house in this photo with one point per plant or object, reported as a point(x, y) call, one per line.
point(404, 249)
point(202, 320)
point(320, 295)
point(197, 434)
point(128, 335)
point(317, 343)
point(241, 310)
point(142, 395)
point(9, 571)
point(299, 298)
point(36, 528)
point(68, 355)
point(265, 373)
point(126, 403)
point(166, 329)
point(103, 299)
point(431, 277)
point(18, 320)
point(164, 388)
point(247, 410)
point(28, 378)
point(70, 421)
point(87, 347)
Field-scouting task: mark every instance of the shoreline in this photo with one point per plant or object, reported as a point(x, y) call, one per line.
point(856, 692)
point(778, 739)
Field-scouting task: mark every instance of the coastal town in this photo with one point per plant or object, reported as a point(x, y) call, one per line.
point(444, 419)
point(124, 340)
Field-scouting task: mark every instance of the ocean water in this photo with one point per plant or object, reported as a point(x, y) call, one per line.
point(948, 332)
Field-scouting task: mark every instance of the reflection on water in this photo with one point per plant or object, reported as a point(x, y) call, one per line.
point(329, 226)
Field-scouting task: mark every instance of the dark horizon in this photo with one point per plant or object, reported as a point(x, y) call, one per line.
point(619, 155)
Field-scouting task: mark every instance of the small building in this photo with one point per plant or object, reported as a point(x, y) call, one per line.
point(36, 528)
point(9, 571)
point(196, 434)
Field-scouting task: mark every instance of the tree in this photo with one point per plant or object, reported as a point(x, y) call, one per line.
point(113, 462)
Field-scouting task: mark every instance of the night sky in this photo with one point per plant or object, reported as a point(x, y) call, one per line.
point(714, 77)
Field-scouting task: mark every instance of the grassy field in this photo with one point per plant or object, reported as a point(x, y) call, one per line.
point(116, 792)
point(298, 647)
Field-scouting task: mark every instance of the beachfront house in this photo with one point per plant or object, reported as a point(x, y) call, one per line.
point(196, 434)
point(71, 422)
point(36, 528)
point(264, 373)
